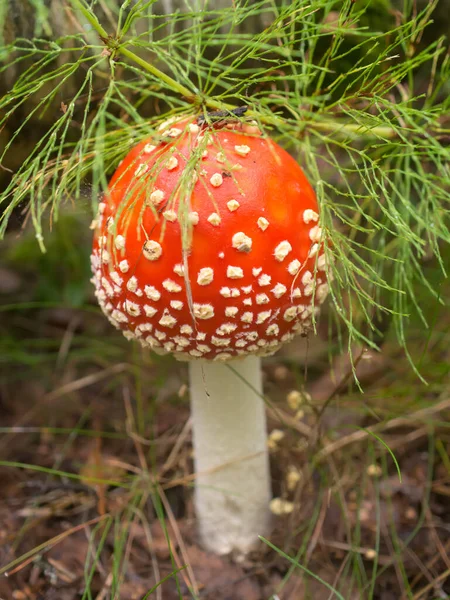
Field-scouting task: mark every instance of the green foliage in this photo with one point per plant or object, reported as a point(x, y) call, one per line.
point(340, 84)
point(62, 273)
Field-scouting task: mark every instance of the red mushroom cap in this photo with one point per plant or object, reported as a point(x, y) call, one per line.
point(207, 243)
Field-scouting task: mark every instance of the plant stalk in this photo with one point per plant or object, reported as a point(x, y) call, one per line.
point(333, 126)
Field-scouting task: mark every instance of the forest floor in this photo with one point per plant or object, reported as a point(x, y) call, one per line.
point(96, 460)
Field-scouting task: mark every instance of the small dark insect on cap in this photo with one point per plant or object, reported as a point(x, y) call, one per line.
point(221, 115)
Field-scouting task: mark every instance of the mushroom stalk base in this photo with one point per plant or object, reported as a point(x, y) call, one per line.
point(232, 486)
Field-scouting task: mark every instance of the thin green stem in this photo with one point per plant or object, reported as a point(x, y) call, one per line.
point(357, 129)
point(177, 87)
point(376, 131)
point(91, 18)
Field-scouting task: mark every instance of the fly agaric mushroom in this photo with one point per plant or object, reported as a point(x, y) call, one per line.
point(207, 247)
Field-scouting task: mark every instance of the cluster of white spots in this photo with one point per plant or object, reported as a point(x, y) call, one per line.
point(167, 320)
point(156, 197)
point(242, 242)
point(214, 219)
point(108, 287)
point(152, 293)
point(220, 342)
point(116, 278)
point(216, 180)
point(194, 128)
point(171, 286)
point(132, 284)
point(247, 317)
point(172, 163)
point(101, 295)
point(179, 269)
point(220, 157)
point(322, 263)
point(226, 328)
point(287, 337)
point(152, 250)
point(308, 282)
point(173, 132)
point(273, 329)
point(307, 278)
point(176, 304)
point(148, 148)
point(196, 353)
point(263, 223)
point(193, 218)
point(203, 311)
point(231, 311)
point(181, 341)
point(322, 292)
point(310, 215)
point(234, 272)
point(242, 150)
point(119, 242)
point(282, 250)
point(241, 343)
point(263, 316)
point(170, 215)
point(141, 170)
point(256, 271)
point(205, 276)
point(309, 289)
point(264, 280)
point(315, 233)
point(293, 267)
point(279, 290)
point(233, 205)
point(140, 329)
point(150, 311)
point(132, 308)
point(119, 316)
point(186, 329)
point(290, 313)
point(262, 298)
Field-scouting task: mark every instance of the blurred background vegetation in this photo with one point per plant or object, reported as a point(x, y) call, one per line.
point(94, 433)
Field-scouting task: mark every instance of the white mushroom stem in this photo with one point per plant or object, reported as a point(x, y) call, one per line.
point(232, 486)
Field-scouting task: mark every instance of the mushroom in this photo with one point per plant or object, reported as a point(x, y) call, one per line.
point(207, 246)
